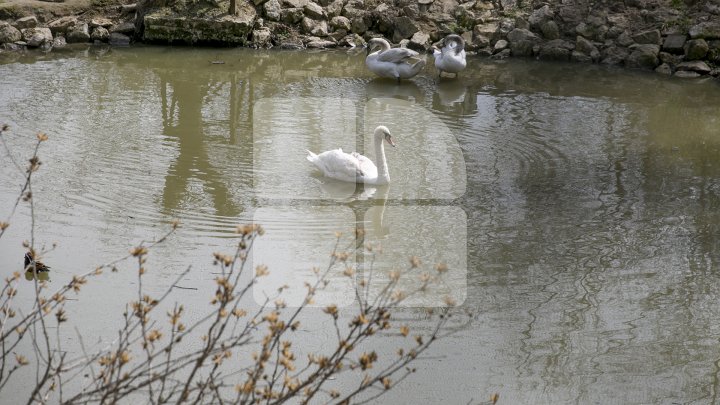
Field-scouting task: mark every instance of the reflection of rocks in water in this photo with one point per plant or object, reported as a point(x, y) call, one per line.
point(406, 90)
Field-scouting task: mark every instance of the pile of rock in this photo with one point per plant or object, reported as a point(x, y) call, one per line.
point(27, 32)
point(647, 34)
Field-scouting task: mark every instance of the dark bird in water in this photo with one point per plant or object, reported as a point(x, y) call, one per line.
point(31, 263)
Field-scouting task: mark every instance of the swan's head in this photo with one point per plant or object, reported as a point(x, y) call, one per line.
point(383, 132)
point(377, 43)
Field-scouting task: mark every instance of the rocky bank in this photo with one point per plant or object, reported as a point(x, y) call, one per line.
point(673, 37)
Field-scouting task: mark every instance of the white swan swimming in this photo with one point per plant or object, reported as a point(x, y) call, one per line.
point(397, 63)
point(354, 167)
point(451, 57)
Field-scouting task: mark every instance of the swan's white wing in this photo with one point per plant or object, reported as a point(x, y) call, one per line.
point(367, 166)
point(397, 55)
point(339, 165)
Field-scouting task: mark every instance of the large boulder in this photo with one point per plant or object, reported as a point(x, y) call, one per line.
point(522, 42)
point(26, 22)
point(315, 11)
point(36, 37)
point(674, 43)
point(556, 50)
point(272, 10)
point(613, 55)
point(62, 24)
point(8, 33)
point(696, 49)
point(541, 16)
point(163, 26)
point(706, 30)
point(648, 37)
point(695, 66)
point(643, 56)
point(100, 34)
point(78, 34)
point(405, 27)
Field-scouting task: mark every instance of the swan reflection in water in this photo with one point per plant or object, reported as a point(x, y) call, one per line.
point(379, 88)
point(451, 92)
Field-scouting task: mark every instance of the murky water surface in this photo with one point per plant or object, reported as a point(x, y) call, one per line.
point(577, 207)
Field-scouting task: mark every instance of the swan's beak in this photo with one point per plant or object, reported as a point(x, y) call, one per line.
point(389, 140)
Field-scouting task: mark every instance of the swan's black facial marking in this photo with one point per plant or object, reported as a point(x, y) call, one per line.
point(389, 140)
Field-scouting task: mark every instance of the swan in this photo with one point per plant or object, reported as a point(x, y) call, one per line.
point(354, 167)
point(397, 63)
point(451, 57)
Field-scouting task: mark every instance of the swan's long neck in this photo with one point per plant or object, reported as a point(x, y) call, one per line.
point(383, 173)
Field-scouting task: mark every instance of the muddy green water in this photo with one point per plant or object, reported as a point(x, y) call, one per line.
point(578, 207)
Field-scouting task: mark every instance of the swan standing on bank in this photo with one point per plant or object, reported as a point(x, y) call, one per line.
point(397, 63)
point(354, 167)
point(451, 57)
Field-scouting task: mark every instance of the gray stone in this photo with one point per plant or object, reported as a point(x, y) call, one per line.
point(272, 10)
point(358, 25)
point(580, 57)
point(643, 56)
point(500, 45)
point(504, 54)
point(664, 68)
point(26, 22)
point(670, 59)
point(696, 49)
point(674, 43)
point(519, 34)
point(624, 39)
point(229, 29)
point(584, 46)
point(259, 2)
point(126, 28)
point(353, 9)
point(420, 41)
point(59, 42)
point(520, 23)
point(686, 74)
point(262, 38)
point(613, 55)
point(36, 36)
point(61, 25)
point(648, 37)
point(487, 30)
point(119, 39)
point(590, 31)
point(320, 29)
point(550, 30)
point(707, 30)
point(100, 34)
point(340, 22)
point(9, 34)
point(313, 10)
point(100, 22)
point(556, 50)
point(291, 15)
point(540, 16)
point(294, 3)
point(77, 34)
point(695, 66)
point(334, 8)
point(522, 48)
point(405, 27)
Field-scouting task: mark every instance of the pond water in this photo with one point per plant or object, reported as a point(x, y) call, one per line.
point(577, 206)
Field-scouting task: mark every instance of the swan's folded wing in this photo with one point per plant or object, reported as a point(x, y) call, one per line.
point(397, 55)
point(339, 164)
